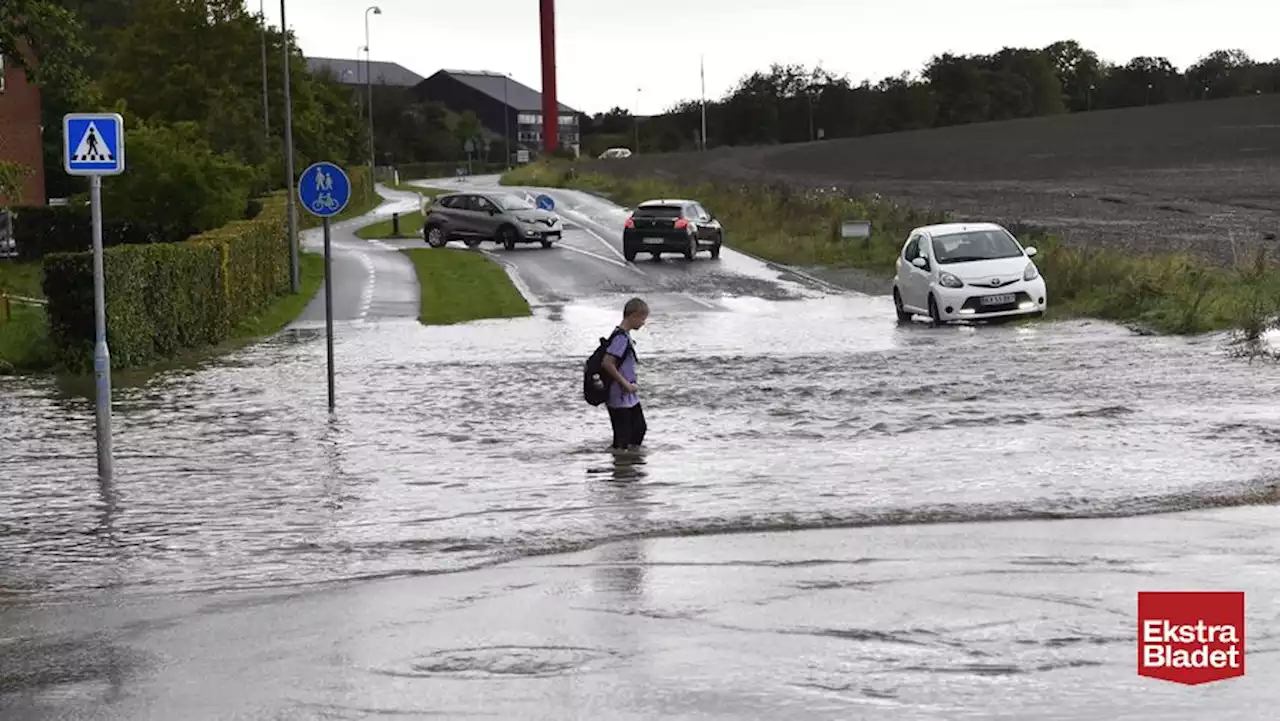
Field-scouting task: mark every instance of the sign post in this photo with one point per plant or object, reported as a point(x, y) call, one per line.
point(93, 146)
point(324, 190)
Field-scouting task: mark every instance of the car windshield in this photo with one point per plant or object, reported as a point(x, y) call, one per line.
point(658, 211)
point(514, 202)
point(975, 245)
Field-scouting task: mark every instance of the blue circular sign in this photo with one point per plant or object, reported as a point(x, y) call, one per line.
point(324, 189)
point(545, 202)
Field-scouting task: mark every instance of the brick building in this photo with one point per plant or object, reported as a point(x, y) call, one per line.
point(20, 130)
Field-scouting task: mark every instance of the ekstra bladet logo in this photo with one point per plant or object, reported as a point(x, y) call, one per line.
point(1191, 637)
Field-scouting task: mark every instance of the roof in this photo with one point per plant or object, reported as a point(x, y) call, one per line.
point(666, 201)
point(953, 228)
point(352, 72)
point(502, 88)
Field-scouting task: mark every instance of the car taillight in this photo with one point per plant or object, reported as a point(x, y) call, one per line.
point(682, 223)
point(631, 222)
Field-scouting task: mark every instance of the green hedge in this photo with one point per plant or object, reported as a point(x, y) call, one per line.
point(166, 298)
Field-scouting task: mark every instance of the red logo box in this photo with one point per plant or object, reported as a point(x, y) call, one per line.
point(1191, 637)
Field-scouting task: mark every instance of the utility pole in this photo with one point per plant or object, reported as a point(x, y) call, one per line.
point(636, 119)
point(702, 73)
point(506, 121)
point(295, 283)
point(266, 108)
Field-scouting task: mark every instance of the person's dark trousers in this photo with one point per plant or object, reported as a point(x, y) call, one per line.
point(628, 426)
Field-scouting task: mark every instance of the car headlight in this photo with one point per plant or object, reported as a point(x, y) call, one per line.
point(1031, 273)
point(949, 280)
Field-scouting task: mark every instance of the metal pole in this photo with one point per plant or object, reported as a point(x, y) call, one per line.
point(328, 311)
point(266, 106)
point(702, 72)
point(295, 283)
point(636, 119)
point(101, 355)
point(506, 121)
point(368, 78)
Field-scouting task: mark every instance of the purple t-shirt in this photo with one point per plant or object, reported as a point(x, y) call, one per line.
point(627, 367)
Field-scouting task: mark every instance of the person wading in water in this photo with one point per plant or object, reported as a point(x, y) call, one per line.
point(625, 414)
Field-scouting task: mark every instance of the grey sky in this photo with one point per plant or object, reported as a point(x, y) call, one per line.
point(608, 48)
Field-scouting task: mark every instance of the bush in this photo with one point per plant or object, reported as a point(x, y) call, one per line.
point(39, 230)
point(176, 182)
point(166, 298)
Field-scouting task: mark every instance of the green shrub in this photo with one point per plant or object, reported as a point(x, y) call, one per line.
point(166, 298)
point(176, 182)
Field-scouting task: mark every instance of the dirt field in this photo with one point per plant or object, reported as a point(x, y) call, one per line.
point(1202, 177)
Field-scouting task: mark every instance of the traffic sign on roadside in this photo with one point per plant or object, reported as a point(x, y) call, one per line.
point(93, 143)
point(324, 189)
point(545, 202)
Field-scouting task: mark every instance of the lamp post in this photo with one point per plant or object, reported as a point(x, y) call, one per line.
point(368, 78)
point(266, 109)
point(702, 74)
point(295, 283)
point(636, 118)
point(506, 121)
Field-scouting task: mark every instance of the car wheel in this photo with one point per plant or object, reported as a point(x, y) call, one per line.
point(903, 315)
point(630, 255)
point(715, 249)
point(546, 244)
point(692, 250)
point(472, 242)
point(436, 237)
point(507, 236)
point(934, 316)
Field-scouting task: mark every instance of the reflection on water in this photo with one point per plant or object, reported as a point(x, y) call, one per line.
point(465, 444)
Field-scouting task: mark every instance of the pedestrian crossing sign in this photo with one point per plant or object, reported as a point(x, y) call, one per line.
point(93, 143)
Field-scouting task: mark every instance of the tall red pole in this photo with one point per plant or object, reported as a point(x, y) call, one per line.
point(550, 106)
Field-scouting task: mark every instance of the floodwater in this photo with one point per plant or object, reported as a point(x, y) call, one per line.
point(455, 447)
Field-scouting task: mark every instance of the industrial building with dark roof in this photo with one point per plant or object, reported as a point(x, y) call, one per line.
point(504, 105)
point(352, 72)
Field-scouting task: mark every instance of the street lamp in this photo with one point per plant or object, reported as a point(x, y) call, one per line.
point(506, 121)
point(368, 78)
point(266, 109)
point(295, 282)
point(636, 118)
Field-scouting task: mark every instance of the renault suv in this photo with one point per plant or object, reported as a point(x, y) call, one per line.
point(966, 271)
point(671, 226)
point(499, 217)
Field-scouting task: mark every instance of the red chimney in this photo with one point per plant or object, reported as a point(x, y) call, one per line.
point(550, 106)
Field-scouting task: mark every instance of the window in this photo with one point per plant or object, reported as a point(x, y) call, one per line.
point(528, 119)
point(481, 205)
point(912, 249)
point(658, 211)
point(701, 212)
point(451, 201)
point(975, 245)
point(568, 120)
point(530, 136)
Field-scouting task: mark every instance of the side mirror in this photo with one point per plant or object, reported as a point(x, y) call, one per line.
point(1031, 251)
point(920, 262)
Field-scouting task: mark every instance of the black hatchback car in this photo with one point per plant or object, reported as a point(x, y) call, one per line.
point(671, 226)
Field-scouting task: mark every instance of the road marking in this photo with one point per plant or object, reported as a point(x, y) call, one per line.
point(366, 297)
point(699, 301)
point(604, 242)
point(611, 261)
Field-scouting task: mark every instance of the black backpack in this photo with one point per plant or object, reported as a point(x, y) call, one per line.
point(595, 382)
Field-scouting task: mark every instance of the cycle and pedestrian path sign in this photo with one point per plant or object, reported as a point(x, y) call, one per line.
point(324, 189)
point(93, 143)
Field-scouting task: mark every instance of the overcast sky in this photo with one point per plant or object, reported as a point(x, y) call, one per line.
point(606, 49)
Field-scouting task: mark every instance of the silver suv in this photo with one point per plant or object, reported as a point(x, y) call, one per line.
point(476, 217)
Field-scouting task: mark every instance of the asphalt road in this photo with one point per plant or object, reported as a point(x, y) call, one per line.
point(588, 262)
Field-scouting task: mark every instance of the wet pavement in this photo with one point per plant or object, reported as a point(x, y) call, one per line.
point(256, 558)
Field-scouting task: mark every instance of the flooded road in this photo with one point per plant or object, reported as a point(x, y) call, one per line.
point(772, 406)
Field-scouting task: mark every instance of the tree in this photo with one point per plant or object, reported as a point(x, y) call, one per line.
point(12, 177)
point(468, 128)
point(46, 41)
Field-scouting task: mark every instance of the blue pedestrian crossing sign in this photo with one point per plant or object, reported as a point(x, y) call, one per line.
point(324, 189)
point(93, 143)
point(545, 202)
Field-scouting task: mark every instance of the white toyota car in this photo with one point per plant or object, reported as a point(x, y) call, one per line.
point(966, 271)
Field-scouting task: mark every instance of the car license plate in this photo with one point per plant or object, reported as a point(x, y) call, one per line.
point(654, 241)
point(997, 299)
point(553, 236)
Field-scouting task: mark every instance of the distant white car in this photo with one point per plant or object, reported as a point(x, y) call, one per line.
point(966, 271)
point(615, 153)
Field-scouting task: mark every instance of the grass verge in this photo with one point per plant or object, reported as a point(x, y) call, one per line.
point(285, 308)
point(460, 286)
point(24, 330)
point(410, 227)
point(1165, 293)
